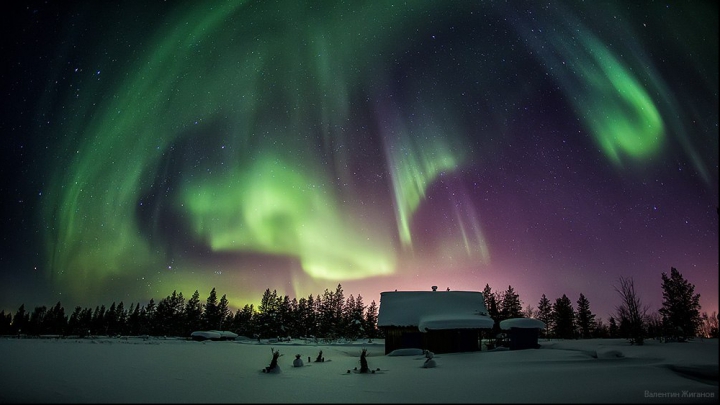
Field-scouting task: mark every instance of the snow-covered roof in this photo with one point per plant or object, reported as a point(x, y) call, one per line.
point(205, 334)
point(524, 323)
point(225, 333)
point(434, 310)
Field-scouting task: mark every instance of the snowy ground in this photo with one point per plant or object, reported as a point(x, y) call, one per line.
point(169, 370)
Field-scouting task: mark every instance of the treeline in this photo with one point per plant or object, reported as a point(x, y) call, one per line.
point(332, 316)
point(329, 316)
point(678, 319)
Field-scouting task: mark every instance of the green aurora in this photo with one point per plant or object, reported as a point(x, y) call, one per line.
point(240, 127)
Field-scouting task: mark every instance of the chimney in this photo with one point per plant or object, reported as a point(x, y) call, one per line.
point(434, 288)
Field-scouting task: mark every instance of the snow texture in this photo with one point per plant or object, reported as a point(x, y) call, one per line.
point(523, 323)
point(406, 352)
point(152, 370)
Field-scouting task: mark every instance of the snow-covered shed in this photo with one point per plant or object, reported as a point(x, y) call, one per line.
point(439, 321)
point(213, 335)
point(523, 332)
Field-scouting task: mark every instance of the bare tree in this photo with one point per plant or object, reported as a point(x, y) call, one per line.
point(709, 325)
point(631, 312)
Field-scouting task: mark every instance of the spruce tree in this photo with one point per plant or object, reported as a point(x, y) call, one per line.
point(193, 314)
point(492, 307)
point(613, 329)
point(681, 306)
point(268, 324)
point(134, 320)
point(5, 322)
point(511, 305)
point(545, 314)
point(370, 326)
point(564, 318)
point(585, 318)
point(147, 317)
point(20, 320)
point(37, 319)
point(214, 314)
point(223, 312)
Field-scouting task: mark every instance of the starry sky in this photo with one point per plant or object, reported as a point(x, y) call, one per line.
point(553, 146)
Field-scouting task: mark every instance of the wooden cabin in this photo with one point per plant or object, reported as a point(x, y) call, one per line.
point(439, 321)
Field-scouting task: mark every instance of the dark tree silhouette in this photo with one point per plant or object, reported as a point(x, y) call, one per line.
point(631, 312)
point(564, 318)
point(681, 306)
point(511, 305)
point(193, 314)
point(370, 321)
point(491, 305)
point(585, 318)
point(20, 320)
point(613, 329)
point(545, 314)
point(5, 322)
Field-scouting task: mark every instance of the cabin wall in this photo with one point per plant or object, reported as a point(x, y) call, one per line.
point(402, 338)
point(437, 341)
point(524, 338)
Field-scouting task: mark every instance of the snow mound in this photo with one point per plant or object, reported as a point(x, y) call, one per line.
point(205, 335)
point(430, 363)
point(406, 352)
point(213, 335)
point(609, 354)
point(704, 373)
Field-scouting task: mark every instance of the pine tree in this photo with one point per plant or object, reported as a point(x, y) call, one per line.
point(283, 318)
point(613, 329)
point(244, 322)
point(56, 321)
point(214, 314)
point(5, 322)
point(585, 318)
point(353, 317)
point(133, 322)
point(564, 318)
point(37, 318)
point(147, 317)
point(121, 319)
point(223, 312)
point(511, 305)
point(98, 320)
point(681, 306)
point(493, 312)
point(74, 322)
point(21, 320)
point(545, 314)
point(371, 314)
point(110, 320)
point(300, 315)
point(268, 324)
point(193, 314)
point(311, 317)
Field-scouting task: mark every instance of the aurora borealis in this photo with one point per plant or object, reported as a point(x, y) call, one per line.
point(295, 145)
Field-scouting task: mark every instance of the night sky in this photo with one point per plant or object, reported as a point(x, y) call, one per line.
point(296, 145)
